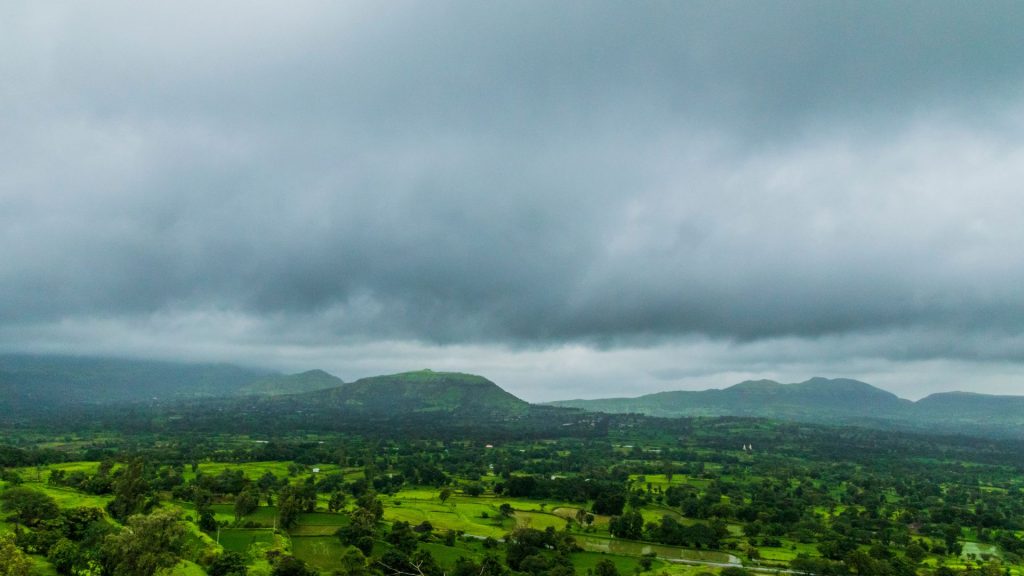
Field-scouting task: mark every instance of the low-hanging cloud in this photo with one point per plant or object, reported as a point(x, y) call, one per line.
point(521, 177)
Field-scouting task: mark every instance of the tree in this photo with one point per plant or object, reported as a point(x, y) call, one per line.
point(916, 553)
point(246, 502)
point(610, 503)
point(581, 515)
point(952, 537)
point(291, 566)
point(369, 501)
point(13, 562)
point(669, 470)
point(629, 525)
point(228, 564)
point(445, 494)
point(146, 545)
point(64, 555)
point(130, 491)
point(363, 524)
point(30, 507)
point(402, 537)
point(207, 521)
point(420, 563)
point(288, 509)
point(606, 567)
point(524, 543)
point(337, 501)
point(353, 563)
point(267, 481)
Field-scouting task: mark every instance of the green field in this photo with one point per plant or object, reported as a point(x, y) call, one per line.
point(41, 567)
point(661, 481)
point(477, 516)
point(787, 552)
point(320, 552)
point(264, 516)
point(240, 539)
point(253, 470)
point(318, 524)
point(68, 498)
point(539, 520)
point(979, 550)
point(633, 548)
point(583, 561)
point(464, 518)
point(447, 555)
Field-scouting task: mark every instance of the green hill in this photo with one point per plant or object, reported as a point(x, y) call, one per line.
point(424, 391)
point(308, 381)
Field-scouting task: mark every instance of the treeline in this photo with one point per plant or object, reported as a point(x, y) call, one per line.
point(608, 497)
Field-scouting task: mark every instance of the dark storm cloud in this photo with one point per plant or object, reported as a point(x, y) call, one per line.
point(518, 174)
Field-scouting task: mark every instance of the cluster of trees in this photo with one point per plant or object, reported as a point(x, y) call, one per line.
point(525, 552)
point(608, 497)
point(84, 541)
point(669, 531)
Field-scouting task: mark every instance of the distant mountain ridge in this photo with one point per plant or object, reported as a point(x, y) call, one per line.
point(278, 384)
point(48, 386)
point(824, 400)
point(27, 379)
point(31, 384)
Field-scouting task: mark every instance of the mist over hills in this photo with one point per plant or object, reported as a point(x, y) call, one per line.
point(51, 384)
point(42, 379)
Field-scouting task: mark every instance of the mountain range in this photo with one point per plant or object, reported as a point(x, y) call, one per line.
point(50, 384)
point(824, 400)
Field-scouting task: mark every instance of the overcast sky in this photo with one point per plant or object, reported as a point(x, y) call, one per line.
point(574, 199)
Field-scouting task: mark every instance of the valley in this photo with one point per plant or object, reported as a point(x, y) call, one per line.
point(433, 473)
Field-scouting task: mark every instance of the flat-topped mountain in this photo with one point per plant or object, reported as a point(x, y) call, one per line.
point(968, 407)
point(424, 391)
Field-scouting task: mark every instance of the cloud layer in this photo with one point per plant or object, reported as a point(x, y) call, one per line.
point(709, 189)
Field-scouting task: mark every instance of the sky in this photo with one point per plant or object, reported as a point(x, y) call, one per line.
point(574, 199)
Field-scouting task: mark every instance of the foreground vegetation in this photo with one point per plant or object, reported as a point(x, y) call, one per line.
point(631, 495)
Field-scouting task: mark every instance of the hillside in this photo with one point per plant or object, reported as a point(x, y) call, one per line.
point(308, 381)
point(967, 408)
point(829, 401)
point(820, 397)
point(47, 385)
point(424, 391)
